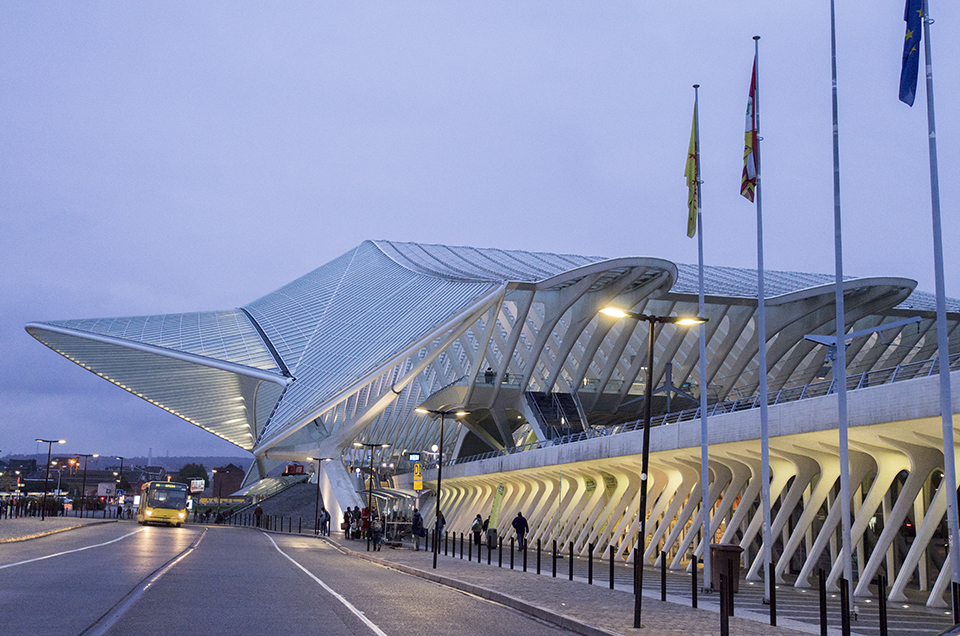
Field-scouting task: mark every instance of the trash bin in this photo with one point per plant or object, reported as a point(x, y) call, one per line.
point(722, 555)
point(492, 538)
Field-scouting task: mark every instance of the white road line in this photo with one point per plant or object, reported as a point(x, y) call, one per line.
point(376, 630)
point(50, 556)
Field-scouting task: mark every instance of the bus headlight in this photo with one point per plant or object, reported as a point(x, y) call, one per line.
point(149, 513)
point(182, 515)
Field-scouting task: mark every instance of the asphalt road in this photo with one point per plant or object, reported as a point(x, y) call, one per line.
point(121, 579)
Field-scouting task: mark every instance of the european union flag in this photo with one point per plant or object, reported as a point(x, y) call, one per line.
point(911, 51)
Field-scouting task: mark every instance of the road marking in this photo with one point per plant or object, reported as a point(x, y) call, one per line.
point(115, 613)
point(376, 630)
point(50, 556)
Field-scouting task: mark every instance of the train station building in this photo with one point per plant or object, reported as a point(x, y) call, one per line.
point(361, 356)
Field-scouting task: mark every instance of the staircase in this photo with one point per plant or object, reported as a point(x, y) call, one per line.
point(559, 412)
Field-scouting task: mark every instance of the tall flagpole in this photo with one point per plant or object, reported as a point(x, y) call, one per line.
point(704, 454)
point(840, 356)
point(762, 345)
point(946, 408)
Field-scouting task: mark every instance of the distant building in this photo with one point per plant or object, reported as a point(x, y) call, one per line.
point(227, 480)
point(25, 466)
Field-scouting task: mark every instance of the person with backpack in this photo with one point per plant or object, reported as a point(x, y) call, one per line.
point(521, 527)
point(376, 528)
point(418, 529)
point(477, 528)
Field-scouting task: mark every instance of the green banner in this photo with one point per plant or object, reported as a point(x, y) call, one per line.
point(609, 484)
point(497, 504)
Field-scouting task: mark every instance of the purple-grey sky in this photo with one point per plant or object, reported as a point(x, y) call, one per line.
point(182, 156)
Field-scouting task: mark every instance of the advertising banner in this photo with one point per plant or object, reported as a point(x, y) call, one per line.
point(497, 504)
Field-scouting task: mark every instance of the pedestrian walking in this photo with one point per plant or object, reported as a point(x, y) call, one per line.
point(258, 513)
point(477, 528)
point(521, 527)
point(324, 522)
point(376, 528)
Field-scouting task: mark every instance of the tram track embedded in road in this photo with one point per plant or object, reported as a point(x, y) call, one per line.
point(115, 613)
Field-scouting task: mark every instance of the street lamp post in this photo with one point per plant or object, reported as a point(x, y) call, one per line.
point(436, 531)
point(370, 447)
point(645, 457)
point(316, 520)
point(219, 488)
point(83, 501)
point(46, 479)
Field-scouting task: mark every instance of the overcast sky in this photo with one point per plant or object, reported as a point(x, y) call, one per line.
point(183, 156)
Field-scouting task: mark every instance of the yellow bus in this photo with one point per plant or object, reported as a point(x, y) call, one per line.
point(162, 502)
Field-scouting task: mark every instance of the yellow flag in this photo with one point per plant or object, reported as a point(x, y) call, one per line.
point(692, 173)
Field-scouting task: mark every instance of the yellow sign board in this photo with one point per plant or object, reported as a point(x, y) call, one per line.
point(417, 477)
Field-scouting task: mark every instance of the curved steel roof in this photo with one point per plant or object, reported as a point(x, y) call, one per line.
point(348, 350)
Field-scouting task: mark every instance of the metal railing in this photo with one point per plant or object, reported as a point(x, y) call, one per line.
point(879, 377)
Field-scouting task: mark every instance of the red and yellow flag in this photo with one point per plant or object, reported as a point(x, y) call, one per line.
point(748, 181)
point(692, 173)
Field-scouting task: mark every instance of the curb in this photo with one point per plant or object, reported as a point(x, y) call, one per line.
point(49, 532)
point(560, 620)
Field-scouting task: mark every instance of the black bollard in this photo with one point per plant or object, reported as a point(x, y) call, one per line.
point(571, 560)
point(461, 546)
point(882, 599)
point(489, 550)
point(663, 576)
point(538, 555)
point(773, 595)
point(589, 564)
point(299, 525)
point(611, 566)
point(693, 591)
point(446, 542)
point(524, 551)
point(955, 593)
point(844, 607)
point(822, 589)
point(500, 552)
point(554, 558)
point(724, 612)
point(731, 588)
point(470, 550)
point(511, 553)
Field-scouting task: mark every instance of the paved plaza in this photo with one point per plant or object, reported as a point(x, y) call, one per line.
point(26, 528)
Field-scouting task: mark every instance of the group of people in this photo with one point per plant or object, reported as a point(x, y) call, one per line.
point(479, 528)
point(362, 524)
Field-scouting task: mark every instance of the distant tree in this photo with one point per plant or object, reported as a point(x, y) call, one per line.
point(193, 471)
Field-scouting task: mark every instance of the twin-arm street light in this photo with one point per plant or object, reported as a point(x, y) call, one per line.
point(46, 479)
point(370, 447)
point(645, 458)
point(442, 414)
point(83, 490)
point(316, 521)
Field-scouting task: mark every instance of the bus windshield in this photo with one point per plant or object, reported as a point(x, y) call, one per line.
point(167, 498)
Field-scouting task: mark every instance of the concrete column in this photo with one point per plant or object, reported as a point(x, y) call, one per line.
point(922, 462)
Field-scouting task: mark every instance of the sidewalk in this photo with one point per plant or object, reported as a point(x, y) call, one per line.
point(25, 528)
point(593, 610)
